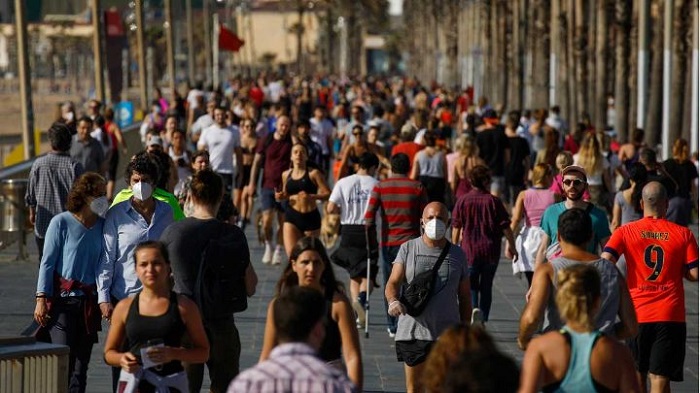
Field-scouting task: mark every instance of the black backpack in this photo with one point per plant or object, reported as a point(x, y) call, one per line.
point(220, 286)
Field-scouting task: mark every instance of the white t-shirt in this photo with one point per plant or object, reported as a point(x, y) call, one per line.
point(192, 97)
point(320, 131)
point(351, 194)
point(221, 143)
point(594, 179)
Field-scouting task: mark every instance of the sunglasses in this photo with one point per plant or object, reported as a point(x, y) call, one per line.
point(575, 182)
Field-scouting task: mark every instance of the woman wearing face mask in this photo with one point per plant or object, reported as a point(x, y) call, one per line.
point(483, 220)
point(66, 302)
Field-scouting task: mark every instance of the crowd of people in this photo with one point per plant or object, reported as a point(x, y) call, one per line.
point(429, 182)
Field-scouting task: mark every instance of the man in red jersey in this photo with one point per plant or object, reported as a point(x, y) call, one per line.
point(400, 202)
point(659, 255)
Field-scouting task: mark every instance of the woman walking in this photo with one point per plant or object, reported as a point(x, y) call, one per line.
point(146, 330)
point(309, 266)
point(66, 302)
point(301, 187)
point(430, 167)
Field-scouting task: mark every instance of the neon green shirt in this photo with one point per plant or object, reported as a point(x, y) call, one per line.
point(159, 194)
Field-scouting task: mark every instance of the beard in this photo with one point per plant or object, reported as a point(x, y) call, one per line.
point(575, 196)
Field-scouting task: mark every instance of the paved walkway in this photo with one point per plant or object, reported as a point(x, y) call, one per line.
point(382, 372)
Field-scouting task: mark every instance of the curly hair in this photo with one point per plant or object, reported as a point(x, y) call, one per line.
point(450, 345)
point(142, 163)
point(289, 277)
point(86, 186)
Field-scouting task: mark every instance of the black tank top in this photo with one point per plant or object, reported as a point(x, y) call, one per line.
point(330, 347)
point(167, 327)
point(295, 186)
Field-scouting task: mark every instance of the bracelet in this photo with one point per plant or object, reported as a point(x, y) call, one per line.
point(395, 301)
point(41, 296)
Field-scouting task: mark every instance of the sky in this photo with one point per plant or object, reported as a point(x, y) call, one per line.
point(395, 7)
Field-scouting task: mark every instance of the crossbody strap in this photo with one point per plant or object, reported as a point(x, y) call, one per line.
point(441, 258)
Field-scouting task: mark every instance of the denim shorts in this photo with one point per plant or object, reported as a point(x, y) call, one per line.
point(267, 200)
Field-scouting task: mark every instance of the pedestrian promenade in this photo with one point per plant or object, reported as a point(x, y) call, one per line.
point(382, 372)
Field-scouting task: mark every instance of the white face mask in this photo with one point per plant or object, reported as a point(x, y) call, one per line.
point(142, 191)
point(435, 229)
point(100, 206)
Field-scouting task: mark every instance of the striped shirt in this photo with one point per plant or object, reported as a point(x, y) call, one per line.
point(292, 368)
point(50, 180)
point(401, 201)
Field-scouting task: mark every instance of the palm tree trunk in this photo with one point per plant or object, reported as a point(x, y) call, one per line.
point(681, 47)
point(514, 58)
point(633, 66)
point(622, 74)
point(600, 100)
point(581, 42)
point(653, 120)
point(572, 86)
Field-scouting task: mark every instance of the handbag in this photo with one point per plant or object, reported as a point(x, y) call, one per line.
point(417, 293)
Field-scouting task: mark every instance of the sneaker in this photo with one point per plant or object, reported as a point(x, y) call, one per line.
point(278, 256)
point(477, 318)
point(391, 334)
point(360, 311)
point(267, 256)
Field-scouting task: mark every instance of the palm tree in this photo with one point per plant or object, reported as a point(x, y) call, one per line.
point(653, 119)
point(681, 47)
point(600, 64)
point(622, 67)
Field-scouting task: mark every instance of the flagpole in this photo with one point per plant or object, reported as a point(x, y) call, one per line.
point(215, 50)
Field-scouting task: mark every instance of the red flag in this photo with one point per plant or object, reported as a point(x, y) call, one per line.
point(228, 40)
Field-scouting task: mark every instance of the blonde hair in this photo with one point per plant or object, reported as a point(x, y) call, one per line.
point(564, 159)
point(541, 175)
point(589, 156)
point(469, 148)
point(459, 142)
point(452, 343)
point(578, 291)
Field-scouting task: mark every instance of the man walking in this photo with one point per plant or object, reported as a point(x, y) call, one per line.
point(400, 202)
point(86, 149)
point(293, 366)
point(187, 241)
point(272, 156)
point(574, 234)
point(350, 197)
point(575, 183)
point(449, 304)
point(659, 254)
point(50, 180)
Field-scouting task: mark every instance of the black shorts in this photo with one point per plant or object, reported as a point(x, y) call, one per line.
point(245, 179)
point(113, 164)
point(659, 348)
point(413, 352)
point(304, 222)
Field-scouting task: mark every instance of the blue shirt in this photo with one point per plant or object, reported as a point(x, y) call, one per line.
point(124, 229)
point(72, 251)
point(601, 228)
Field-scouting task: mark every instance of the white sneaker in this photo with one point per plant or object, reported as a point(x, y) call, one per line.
point(477, 318)
point(360, 311)
point(267, 256)
point(278, 256)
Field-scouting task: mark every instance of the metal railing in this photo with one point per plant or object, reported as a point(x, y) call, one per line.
point(21, 171)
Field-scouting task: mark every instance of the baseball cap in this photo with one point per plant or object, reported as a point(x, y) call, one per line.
point(155, 140)
point(575, 169)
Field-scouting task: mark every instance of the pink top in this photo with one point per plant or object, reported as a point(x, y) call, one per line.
point(557, 187)
point(536, 201)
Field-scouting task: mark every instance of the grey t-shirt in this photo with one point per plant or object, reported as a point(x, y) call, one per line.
point(442, 309)
point(610, 295)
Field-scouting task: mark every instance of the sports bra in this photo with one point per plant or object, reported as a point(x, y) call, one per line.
point(295, 186)
point(578, 377)
point(168, 327)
